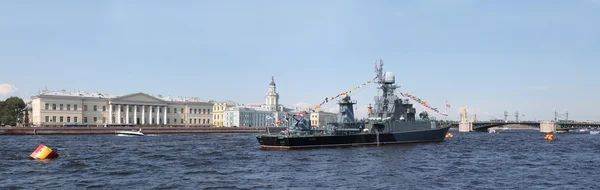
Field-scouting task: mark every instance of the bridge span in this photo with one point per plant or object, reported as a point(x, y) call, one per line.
point(544, 126)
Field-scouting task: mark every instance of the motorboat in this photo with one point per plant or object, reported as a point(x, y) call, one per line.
point(130, 133)
point(492, 131)
point(594, 132)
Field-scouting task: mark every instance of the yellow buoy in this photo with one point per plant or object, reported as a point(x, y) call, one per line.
point(549, 137)
point(43, 152)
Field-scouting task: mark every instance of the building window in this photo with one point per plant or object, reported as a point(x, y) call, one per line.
point(75, 119)
point(54, 107)
point(174, 111)
point(190, 121)
point(68, 119)
point(61, 118)
point(207, 120)
point(47, 106)
point(174, 120)
point(75, 107)
point(208, 110)
point(85, 119)
point(168, 111)
point(103, 108)
point(181, 110)
point(194, 111)
point(53, 119)
point(61, 107)
point(190, 111)
point(95, 108)
point(203, 111)
point(47, 117)
point(104, 120)
point(68, 106)
point(84, 107)
point(95, 119)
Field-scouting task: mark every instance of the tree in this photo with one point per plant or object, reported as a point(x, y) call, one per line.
point(11, 111)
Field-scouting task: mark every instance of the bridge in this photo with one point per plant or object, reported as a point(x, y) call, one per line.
point(544, 126)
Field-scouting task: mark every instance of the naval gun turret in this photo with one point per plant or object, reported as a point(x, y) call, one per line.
point(302, 121)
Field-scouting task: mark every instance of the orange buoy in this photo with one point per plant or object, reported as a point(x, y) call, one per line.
point(549, 137)
point(43, 152)
point(449, 135)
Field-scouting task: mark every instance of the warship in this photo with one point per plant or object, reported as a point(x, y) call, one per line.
point(392, 120)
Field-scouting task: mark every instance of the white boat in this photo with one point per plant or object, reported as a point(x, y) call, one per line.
point(130, 133)
point(594, 132)
point(492, 131)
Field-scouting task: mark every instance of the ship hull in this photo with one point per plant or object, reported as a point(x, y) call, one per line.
point(359, 139)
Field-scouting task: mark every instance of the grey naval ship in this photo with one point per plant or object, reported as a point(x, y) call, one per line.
point(391, 121)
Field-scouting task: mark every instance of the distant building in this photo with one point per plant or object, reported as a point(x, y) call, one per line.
point(257, 115)
point(248, 117)
point(321, 118)
point(61, 107)
point(218, 112)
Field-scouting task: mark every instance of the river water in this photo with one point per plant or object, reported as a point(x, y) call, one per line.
point(508, 160)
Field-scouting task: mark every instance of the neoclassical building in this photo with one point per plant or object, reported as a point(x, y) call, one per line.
point(63, 108)
point(218, 111)
point(261, 115)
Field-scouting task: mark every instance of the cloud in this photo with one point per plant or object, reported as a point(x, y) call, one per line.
point(7, 89)
point(301, 105)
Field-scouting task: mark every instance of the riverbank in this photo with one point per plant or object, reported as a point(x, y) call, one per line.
point(145, 130)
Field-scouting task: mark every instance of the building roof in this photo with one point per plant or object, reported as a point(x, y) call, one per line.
point(111, 96)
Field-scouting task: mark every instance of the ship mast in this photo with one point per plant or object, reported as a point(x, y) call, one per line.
point(387, 88)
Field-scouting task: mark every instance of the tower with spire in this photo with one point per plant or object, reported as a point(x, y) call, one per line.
point(272, 97)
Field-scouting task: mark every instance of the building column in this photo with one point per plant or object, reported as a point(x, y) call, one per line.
point(143, 115)
point(158, 115)
point(165, 116)
point(149, 115)
point(126, 114)
point(135, 115)
point(119, 113)
point(110, 114)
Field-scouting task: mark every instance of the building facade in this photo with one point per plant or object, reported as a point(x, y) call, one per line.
point(321, 118)
point(241, 116)
point(60, 108)
point(218, 112)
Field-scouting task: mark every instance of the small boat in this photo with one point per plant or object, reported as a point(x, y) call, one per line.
point(130, 133)
point(492, 131)
point(594, 132)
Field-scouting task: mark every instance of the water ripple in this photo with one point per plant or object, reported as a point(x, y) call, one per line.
point(233, 161)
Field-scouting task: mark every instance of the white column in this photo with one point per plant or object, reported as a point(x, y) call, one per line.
point(135, 114)
point(149, 115)
point(110, 121)
point(165, 116)
point(119, 113)
point(126, 114)
point(158, 115)
point(143, 115)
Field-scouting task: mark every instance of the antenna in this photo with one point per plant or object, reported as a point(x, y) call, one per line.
point(567, 116)
point(555, 115)
point(505, 116)
point(517, 116)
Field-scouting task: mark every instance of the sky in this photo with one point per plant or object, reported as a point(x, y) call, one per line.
point(531, 57)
